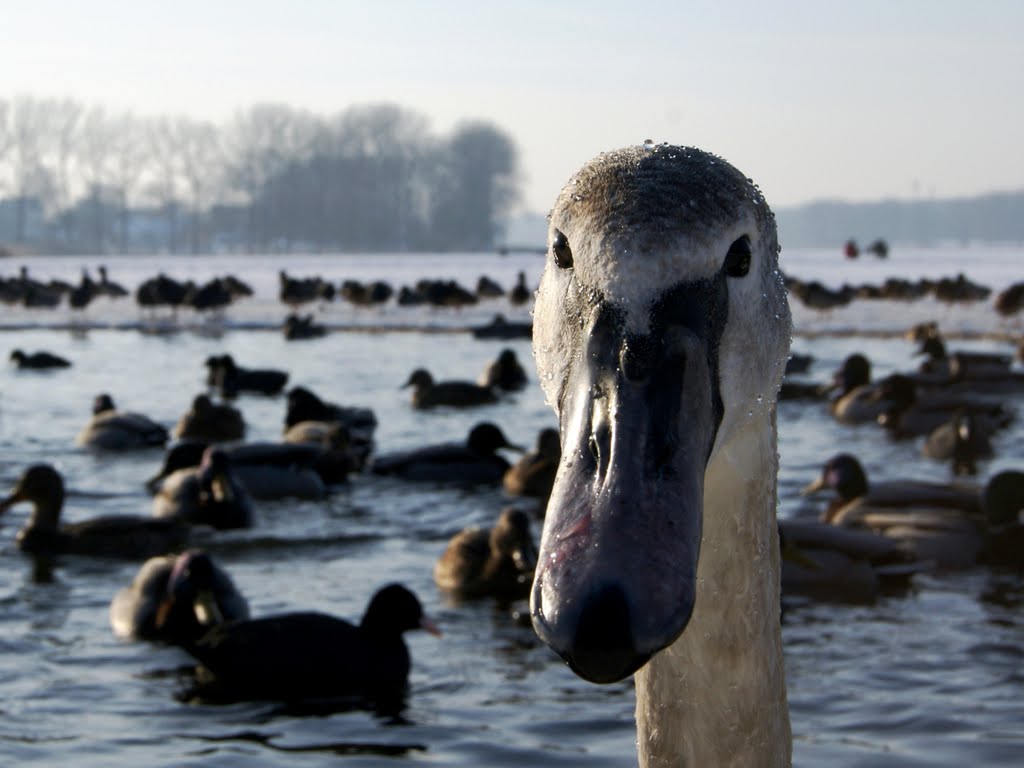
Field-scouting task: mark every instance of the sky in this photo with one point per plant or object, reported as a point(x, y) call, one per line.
point(813, 100)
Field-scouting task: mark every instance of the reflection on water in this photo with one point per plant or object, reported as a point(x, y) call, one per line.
point(930, 677)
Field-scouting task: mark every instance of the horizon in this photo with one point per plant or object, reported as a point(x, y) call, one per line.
point(816, 102)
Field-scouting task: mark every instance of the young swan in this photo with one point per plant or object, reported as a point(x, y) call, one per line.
point(661, 332)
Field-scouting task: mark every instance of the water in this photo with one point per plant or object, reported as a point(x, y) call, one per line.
point(933, 678)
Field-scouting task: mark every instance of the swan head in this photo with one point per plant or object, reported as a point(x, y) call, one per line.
point(661, 332)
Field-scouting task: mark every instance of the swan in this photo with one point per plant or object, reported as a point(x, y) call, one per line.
point(661, 332)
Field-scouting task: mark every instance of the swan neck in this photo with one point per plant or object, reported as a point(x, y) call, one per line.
point(717, 696)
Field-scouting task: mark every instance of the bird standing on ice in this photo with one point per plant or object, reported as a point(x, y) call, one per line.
point(661, 332)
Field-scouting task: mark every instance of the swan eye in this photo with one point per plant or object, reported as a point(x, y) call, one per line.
point(561, 250)
point(737, 260)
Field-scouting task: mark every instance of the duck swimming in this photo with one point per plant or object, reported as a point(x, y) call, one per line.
point(661, 332)
point(496, 562)
point(427, 393)
point(114, 430)
point(176, 599)
point(205, 495)
point(473, 462)
point(295, 656)
point(38, 361)
point(207, 420)
point(116, 536)
point(827, 562)
point(505, 373)
point(308, 419)
point(231, 380)
point(534, 474)
point(845, 476)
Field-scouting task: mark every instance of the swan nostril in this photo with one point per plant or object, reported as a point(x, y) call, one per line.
point(595, 451)
point(636, 360)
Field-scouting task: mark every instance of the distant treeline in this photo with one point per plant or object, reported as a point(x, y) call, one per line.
point(75, 179)
point(996, 217)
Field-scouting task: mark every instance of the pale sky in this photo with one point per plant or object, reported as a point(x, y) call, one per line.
point(816, 99)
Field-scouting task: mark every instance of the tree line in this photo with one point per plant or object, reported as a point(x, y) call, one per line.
point(75, 178)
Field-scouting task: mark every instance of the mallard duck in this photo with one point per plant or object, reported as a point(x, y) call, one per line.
point(827, 562)
point(208, 494)
point(473, 462)
point(496, 562)
point(207, 420)
point(504, 373)
point(176, 599)
point(113, 430)
point(122, 536)
point(534, 473)
point(427, 393)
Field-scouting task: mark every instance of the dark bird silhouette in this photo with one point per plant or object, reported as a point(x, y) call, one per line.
point(304, 655)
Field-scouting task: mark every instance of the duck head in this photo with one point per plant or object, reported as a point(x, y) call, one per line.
point(661, 283)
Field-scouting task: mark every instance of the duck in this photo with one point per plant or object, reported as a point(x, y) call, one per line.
point(208, 494)
point(829, 563)
point(266, 471)
point(176, 599)
point(114, 430)
point(504, 372)
point(501, 328)
point(1003, 501)
point(230, 379)
point(112, 536)
point(427, 393)
point(860, 400)
point(962, 441)
point(206, 420)
point(307, 654)
point(661, 332)
point(473, 462)
point(519, 294)
point(309, 419)
point(38, 361)
point(939, 523)
point(845, 476)
point(960, 365)
point(534, 474)
point(493, 562)
point(300, 327)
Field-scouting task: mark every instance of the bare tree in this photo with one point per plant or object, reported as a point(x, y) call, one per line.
point(199, 154)
point(165, 180)
point(128, 164)
point(475, 187)
point(260, 143)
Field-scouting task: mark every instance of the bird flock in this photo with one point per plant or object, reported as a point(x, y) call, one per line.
point(874, 535)
point(209, 477)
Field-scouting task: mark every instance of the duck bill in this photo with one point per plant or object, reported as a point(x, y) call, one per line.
point(10, 501)
point(222, 490)
point(617, 568)
point(206, 609)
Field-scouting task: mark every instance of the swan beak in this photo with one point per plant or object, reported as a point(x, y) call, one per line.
point(617, 570)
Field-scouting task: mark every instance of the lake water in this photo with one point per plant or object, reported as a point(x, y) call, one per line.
point(931, 678)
